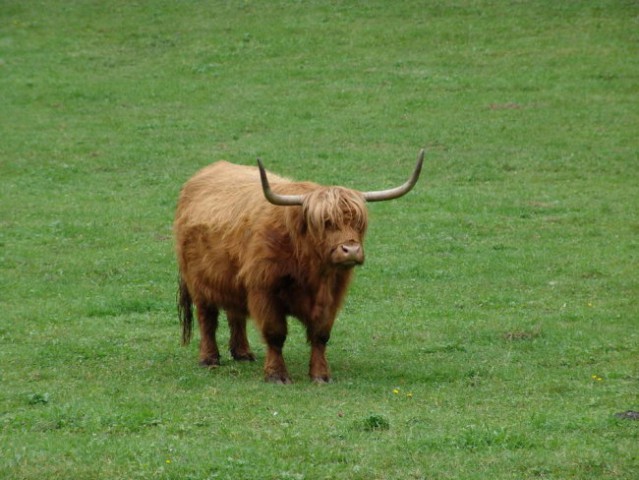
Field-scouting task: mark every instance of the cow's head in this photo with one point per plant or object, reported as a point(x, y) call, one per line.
point(336, 218)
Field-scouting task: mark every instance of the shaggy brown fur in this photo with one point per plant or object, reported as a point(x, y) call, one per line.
point(238, 252)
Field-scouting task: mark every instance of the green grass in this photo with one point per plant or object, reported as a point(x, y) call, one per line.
point(492, 333)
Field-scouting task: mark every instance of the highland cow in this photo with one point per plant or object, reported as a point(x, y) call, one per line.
point(254, 244)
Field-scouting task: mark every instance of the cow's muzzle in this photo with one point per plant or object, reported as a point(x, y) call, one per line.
point(348, 255)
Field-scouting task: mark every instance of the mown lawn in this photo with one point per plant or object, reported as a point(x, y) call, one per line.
point(493, 332)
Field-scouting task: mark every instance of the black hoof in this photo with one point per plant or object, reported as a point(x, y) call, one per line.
point(321, 380)
point(243, 357)
point(278, 379)
point(210, 362)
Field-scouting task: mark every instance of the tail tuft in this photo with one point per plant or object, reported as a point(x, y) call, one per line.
point(185, 311)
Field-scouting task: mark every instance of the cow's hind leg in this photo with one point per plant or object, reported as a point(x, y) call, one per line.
point(238, 344)
point(207, 321)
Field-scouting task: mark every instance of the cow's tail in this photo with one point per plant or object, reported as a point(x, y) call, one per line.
point(185, 311)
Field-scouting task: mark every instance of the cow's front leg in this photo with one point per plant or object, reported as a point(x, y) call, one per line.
point(271, 320)
point(318, 331)
point(274, 366)
point(318, 336)
point(319, 371)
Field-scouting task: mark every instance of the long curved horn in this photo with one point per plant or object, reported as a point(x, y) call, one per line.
point(397, 191)
point(275, 198)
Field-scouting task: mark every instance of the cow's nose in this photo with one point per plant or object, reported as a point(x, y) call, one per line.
point(351, 250)
point(350, 254)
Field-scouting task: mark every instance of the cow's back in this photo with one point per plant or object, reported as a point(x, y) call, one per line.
point(219, 193)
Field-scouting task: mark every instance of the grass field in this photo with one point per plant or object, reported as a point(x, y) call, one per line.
point(493, 332)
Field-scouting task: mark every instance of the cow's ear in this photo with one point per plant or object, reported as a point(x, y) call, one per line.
point(296, 222)
point(302, 225)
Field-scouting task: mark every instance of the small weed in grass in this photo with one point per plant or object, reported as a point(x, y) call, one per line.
point(375, 422)
point(38, 398)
